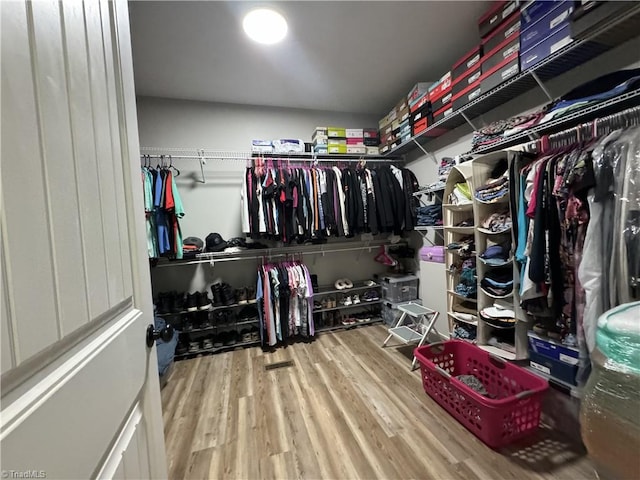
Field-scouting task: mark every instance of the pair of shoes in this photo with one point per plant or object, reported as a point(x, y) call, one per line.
point(356, 299)
point(331, 302)
point(346, 301)
point(170, 302)
point(369, 283)
point(207, 343)
point(223, 294)
point(348, 321)
point(343, 284)
point(371, 296)
point(197, 301)
point(317, 305)
point(255, 334)
point(194, 347)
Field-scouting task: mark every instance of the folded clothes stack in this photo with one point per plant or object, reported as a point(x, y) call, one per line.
point(493, 190)
point(464, 331)
point(496, 254)
point(446, 164)
point(461, 194)
point(500, 316)
point(466, 286)
point(498, 282)
point(465, 246)
point(499, 222)
point(430, 215)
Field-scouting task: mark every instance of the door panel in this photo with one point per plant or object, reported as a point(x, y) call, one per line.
point(58, 166)
point(86, 174)
point(113, 366)
point(28, 251)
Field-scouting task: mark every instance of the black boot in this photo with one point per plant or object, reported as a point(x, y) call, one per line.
point(216, 291)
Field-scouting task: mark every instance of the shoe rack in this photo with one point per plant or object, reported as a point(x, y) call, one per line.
point(348, 307)
point(516, 347)
point(452, 215)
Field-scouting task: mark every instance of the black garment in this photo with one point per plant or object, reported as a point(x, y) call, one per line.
point(390, 201)
point(410, 186)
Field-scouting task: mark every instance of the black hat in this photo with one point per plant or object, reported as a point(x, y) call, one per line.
point(215, 243)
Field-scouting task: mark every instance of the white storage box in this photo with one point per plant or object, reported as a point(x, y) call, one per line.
point(401, 288)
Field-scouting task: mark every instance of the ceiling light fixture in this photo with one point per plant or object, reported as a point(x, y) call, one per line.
point(265, 26)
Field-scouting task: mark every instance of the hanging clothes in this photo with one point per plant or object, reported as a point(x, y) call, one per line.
point(285, 302)
point(301, 204)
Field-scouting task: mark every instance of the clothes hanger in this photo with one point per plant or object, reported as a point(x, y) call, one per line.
point(177, 172)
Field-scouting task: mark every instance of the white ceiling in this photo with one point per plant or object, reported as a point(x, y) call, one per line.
point(344, 56)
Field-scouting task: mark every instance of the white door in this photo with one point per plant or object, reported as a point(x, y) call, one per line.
point(80, 394)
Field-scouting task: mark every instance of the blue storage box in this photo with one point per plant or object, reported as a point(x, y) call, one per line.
point(533, 11)
point(546, 26)
point(545, 48)
point(552, 349)
point(554, 368)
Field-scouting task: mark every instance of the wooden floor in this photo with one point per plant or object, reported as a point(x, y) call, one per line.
point(346, 409)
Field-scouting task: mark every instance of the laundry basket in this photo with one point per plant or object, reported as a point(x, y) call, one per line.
point(509, 412)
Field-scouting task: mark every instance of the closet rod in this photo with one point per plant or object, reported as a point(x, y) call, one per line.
point(271, 253)
point(335, 158)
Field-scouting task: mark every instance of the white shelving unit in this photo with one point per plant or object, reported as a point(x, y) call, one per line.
point(452, 215)
point(482, 168)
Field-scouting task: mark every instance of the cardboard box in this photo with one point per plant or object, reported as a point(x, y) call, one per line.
point(336, 132)
point(497, 14)
point(401, 105)
point(444, 112)
point(403, 114)
point(337, 141)
point(373, 150)
point(546, 26)
point(357, 149)
point(467, 95)
point(383, 122)
point(320, 140)
point(420, 126)
point(550, 45)
point(509, 67)
point(553, 368)
point(537, 9)
point(507, 29)
point(505, 50)
point(321, 149)
point(370, 133)
point(469, 61)
point(586, 17)
point(354, 133)
point(355, 141)
point(384, 149)
point(553, 349)
point(371, 141)
point(336, 148)
point(387, 129)
point(418, 90)
point(420, 102)
point(469, 77)
point(440, 92)
point(421, 113)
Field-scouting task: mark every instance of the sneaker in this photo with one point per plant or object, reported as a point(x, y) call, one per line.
point(192, 302)
point(317, 305)
point(255, 334)
point(241, 295)
point(356, 298)
point(203, 301)
point(187, 326)
point(163, 304)
point(245, 336)
point(332, 302)
point(370, 283)
point(248, 313)
point(207, 344)
point(194, 347)
point(178, 303)
point(346, 301)
point(217, 341)
point(371, 296)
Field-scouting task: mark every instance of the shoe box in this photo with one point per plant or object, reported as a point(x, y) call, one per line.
point(545, 30)
point(372, 150)
point(589, 15)
point(337, 140)
point(444, 112)
point(496, 15)
point(440, 92)
point(500, 73)
point(536, 28)
point(553, 358)
point(371, 137)
point(402, 110)
point(356, 149)
point(336, 132)
point(417, 94)
point(506, 32)
point(465, 75)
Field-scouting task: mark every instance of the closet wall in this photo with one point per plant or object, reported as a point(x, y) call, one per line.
point(215, 205)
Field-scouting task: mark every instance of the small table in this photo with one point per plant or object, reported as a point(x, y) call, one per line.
point(425, 319)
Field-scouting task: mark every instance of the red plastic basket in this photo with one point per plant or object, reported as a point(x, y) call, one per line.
point(511, 412)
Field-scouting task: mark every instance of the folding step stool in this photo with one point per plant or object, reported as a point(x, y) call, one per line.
point(424, 321)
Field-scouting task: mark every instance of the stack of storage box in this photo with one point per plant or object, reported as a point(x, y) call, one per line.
point(320, 140)
point(386, 131)
point(401, 126)
point(465, 78)
point(354, 141)
point(500, 32)
point(397, 290)
point(440, 97)
point(545, 29)
point(419, 108)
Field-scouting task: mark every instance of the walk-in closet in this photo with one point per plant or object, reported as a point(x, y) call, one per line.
point(320, 240)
